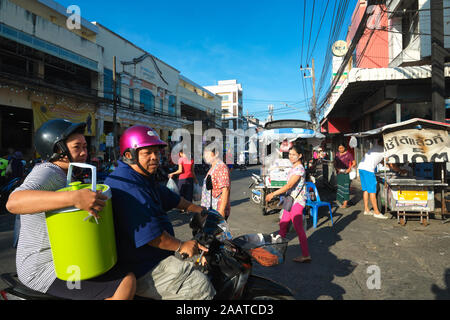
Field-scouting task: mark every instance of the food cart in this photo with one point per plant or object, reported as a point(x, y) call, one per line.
point(420, 144)
point(275, 167)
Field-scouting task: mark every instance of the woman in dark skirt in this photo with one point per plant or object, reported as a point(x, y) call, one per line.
point(344, 162)
point(186, 177)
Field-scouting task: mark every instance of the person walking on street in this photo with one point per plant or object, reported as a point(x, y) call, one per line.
point(296, 188)
point(186, 178)
point(343, 163)
point(59, 142)
point(217, 184)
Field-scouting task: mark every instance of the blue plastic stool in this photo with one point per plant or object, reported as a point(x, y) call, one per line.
point(316, 204)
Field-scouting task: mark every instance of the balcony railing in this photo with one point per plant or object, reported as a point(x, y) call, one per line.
point(23, 75)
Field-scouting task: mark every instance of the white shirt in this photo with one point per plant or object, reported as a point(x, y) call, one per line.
point(371, 159)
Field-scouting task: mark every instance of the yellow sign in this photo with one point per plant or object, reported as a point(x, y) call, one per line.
point(413, 195)
point(44, 112)
point(339, 48)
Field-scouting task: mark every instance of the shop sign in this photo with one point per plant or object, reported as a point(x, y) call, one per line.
point(44, 112)
point(414, 145)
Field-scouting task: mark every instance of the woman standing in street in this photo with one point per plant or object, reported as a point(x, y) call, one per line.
point(186, 177)
point(216, 187)
point(343, 163)
point(296, 188)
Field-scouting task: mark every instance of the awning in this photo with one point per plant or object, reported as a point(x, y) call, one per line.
point(362, 84)
point(415, 123)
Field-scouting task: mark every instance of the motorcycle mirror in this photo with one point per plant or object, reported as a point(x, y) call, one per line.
point(198, 221)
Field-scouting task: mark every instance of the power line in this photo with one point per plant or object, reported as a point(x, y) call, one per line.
point(310, 32)
point(318, 33)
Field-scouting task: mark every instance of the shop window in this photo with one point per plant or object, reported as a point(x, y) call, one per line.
point(416, 110)
point(131, 97)
point(148, 100)
point(108, 83)
point(172, 105)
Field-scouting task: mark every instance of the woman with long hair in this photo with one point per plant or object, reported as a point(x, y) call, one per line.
point(296, 188)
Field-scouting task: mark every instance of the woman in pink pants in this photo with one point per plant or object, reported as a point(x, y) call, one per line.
point(297, 189)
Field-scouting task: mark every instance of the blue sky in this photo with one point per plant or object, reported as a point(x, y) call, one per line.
point(257, 42)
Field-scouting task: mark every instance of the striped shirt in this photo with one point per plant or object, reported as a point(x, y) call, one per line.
point(34, 261)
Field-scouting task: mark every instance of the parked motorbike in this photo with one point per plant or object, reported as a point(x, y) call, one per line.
point(229, 263)
point(256, 193)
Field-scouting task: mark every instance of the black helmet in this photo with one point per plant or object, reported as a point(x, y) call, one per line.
point(52, 134)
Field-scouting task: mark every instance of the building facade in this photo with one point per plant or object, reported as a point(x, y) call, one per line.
point(396, 91)
point(232, 103)
point(48, 70)
point(397, 85)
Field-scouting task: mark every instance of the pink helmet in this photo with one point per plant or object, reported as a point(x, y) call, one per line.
point(138, 137)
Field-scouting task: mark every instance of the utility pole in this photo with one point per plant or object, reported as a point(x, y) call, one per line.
point(312, 112)
point(115, 109)
point(438, 55)
point(270, 112)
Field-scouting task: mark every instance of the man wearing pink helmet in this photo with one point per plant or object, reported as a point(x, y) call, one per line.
point(145, 238)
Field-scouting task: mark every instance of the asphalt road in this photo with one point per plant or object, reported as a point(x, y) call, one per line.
point(358, 257)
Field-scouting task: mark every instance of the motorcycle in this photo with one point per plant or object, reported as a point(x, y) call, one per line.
point(256, 194)
point(229, 263)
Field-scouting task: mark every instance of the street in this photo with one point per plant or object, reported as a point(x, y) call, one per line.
point(358, 257)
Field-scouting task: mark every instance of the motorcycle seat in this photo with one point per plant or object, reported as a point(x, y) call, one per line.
point(19, 289)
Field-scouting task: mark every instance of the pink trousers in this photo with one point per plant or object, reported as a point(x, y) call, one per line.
point(296, 216)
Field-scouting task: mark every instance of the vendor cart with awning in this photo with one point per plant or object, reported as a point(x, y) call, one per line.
point(420, 144)
point(275, 166)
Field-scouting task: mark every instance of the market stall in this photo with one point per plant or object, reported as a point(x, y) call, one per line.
point(274, 140)
point(415, 146)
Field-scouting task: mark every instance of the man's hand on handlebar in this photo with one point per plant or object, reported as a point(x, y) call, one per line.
point(191, 248)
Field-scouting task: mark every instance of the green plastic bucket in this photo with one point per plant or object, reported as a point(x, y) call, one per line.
point(82, 247)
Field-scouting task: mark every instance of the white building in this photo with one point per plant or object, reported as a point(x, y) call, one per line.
point(232, 106)
point(146, 86)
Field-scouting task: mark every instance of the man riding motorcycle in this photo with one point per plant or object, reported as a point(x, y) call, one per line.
point(144, 234)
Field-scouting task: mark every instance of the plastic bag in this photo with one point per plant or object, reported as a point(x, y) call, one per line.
point(197, 192)
point(352, 174)
point(172, 186)
point(353, 142)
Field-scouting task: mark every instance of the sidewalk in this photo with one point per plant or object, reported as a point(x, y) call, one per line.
point(412, 261)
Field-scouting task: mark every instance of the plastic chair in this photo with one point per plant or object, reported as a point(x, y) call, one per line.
point(316, 204)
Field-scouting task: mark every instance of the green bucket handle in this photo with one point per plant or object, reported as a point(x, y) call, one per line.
point(94, 179)
point(83, 165)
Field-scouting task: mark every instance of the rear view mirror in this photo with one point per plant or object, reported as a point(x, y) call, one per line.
point(198, 221)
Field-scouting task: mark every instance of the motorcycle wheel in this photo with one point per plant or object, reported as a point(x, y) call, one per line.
point(272, 297)
point(259, 288)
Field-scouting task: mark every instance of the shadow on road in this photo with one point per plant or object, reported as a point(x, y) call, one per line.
point(317, 279)
point(442, 294)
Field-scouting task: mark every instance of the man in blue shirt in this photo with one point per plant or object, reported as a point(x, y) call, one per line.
point(145, 237)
